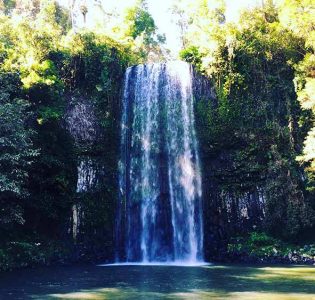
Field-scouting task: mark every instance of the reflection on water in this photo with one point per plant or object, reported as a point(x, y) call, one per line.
point(160, 282)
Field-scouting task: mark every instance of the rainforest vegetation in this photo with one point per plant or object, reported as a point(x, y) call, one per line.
point(257, 138)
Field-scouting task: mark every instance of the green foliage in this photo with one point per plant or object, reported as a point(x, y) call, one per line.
point(43, 65)
point(262, 247)
point(258, 125)
point(141, 22)
point(85, 62)
point(16, 145)
point(298, 16)
point(17, 151)
point(23, 253)
point(192, 55)
point(6, 6)
point(142, 29)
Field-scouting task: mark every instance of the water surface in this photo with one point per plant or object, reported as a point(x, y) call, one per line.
point(160, 282)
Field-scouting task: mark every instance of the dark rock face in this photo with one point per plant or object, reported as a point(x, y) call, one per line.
point(81, 121)
point(228, 210)
point(230, 214)
point(91, 217)
point(90, 173)
point(203, 89)
point(84, 127)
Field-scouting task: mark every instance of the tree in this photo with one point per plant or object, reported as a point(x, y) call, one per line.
point(16, 149)
point(253, 66)
point(179, 12)
point(7, 6)
point(206, 32)
point(27, 8)
point(299, 17)
point(84, 11)
point(142, 29)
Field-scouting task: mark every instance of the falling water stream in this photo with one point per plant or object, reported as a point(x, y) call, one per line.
point(159, 215)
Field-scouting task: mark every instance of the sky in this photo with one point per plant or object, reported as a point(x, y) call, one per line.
point(159, 9)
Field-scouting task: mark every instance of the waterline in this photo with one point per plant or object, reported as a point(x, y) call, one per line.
point(166, 264)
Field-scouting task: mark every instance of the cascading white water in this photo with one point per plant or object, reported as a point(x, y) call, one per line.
point(160, 211)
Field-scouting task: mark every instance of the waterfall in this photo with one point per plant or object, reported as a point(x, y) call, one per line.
point(160, 211)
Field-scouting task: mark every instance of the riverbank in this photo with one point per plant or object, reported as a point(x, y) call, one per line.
point(259, 248)
point(31, 254)
point(24, 254)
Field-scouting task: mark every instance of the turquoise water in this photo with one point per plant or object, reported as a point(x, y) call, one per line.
point(160, 282)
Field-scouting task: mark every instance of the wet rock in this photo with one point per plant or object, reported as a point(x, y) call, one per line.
point(81, 121)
